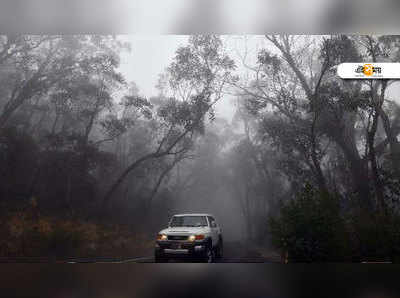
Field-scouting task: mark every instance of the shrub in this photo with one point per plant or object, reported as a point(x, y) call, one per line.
point(65, 242)
point(30, 234)
point(310, 228)
point(378, 235)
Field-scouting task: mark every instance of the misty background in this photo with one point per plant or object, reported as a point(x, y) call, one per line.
point(103, 138)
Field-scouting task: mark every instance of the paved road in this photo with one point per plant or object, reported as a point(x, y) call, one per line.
point(223, 260)
point(234, 252)
point(148, 259)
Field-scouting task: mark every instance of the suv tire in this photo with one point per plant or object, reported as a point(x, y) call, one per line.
point(219, 252)
point(209, 254)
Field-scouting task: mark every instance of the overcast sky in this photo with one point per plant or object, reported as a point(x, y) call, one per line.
point(151, 54)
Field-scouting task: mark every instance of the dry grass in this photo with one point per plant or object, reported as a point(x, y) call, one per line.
point(23, 234)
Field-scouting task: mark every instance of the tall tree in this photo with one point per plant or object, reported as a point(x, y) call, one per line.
point(198, 74)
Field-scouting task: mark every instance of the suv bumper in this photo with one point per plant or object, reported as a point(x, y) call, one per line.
point(180, 249)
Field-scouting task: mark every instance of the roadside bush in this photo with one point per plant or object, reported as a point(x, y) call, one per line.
point(65, 241)
point(310, 228)
point(378, 236)
point(26, 234)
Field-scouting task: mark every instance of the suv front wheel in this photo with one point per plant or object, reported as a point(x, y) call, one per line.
point(209, 254)
point(219, 251)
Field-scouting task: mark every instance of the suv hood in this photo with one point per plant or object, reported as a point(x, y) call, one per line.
point(184, 230)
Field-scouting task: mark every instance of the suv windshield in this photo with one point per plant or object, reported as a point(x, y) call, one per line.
point(188, 221)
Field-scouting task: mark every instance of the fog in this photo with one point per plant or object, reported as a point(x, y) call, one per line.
point(104, 138)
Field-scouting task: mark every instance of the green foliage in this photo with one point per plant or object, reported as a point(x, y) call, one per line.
point(339, 49)
point(199, 63)
point(30, 234)
point(377, 235)
point(18, 160)
point(198, 73)
point(268, 60)
point(310, 228)
point(62, 242)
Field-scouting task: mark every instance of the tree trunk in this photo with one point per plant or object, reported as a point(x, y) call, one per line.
point(53, 127)
point(122, 177)
point(158, 153)
point(248, 215)
point(27, 91)
point(360, 179)
point(394, 145)
point(68, 194)
point(159, 181)
point(344, 137)
point(374, 165)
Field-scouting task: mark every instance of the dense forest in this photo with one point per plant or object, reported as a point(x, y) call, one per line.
point(309, 164)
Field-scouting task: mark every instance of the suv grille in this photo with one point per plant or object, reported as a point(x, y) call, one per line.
point(176, 237)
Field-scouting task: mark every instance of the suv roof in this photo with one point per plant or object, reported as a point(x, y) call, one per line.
point(194, 214)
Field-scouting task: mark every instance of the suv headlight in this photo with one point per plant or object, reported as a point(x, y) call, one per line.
point(196, 237)
point(162, 237)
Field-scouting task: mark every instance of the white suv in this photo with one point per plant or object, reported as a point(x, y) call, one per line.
point(190, 235)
